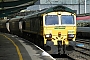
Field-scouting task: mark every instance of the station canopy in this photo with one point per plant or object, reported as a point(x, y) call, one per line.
point(8, 7)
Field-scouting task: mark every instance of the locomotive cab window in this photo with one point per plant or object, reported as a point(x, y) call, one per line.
point(67, 19)
point(51, 20)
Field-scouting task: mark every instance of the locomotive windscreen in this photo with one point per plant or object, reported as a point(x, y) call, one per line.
point(51, 20)
point(67, 19)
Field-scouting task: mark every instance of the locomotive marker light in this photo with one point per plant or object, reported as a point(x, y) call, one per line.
point(71, 35)
point(59, 34)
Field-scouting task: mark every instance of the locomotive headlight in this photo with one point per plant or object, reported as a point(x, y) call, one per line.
point(71, 35)
point(48, 36)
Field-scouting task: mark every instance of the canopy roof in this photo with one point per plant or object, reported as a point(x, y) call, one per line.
point(12, 6)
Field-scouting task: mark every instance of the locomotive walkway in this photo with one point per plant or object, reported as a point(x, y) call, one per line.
point(15, 48)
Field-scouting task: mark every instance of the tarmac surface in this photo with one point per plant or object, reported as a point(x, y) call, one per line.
point(13, 47)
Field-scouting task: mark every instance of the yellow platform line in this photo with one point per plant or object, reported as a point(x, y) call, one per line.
point(18, 50)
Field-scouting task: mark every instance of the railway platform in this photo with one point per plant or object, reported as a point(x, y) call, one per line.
point(13, 47)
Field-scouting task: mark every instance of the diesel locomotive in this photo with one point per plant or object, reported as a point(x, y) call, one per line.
point(53, 29)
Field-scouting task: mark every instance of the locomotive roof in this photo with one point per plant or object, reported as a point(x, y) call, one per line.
point(4, 21)
point(16, 19)
point(59, 8)
point(51, 9)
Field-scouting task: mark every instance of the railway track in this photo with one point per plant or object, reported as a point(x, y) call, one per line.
point(85, 41)
point(83, 51)
point(77, 55)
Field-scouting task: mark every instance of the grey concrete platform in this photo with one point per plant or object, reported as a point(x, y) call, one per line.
point(13, 47)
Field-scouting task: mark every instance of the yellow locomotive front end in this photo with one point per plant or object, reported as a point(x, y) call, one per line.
point(59, 32)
